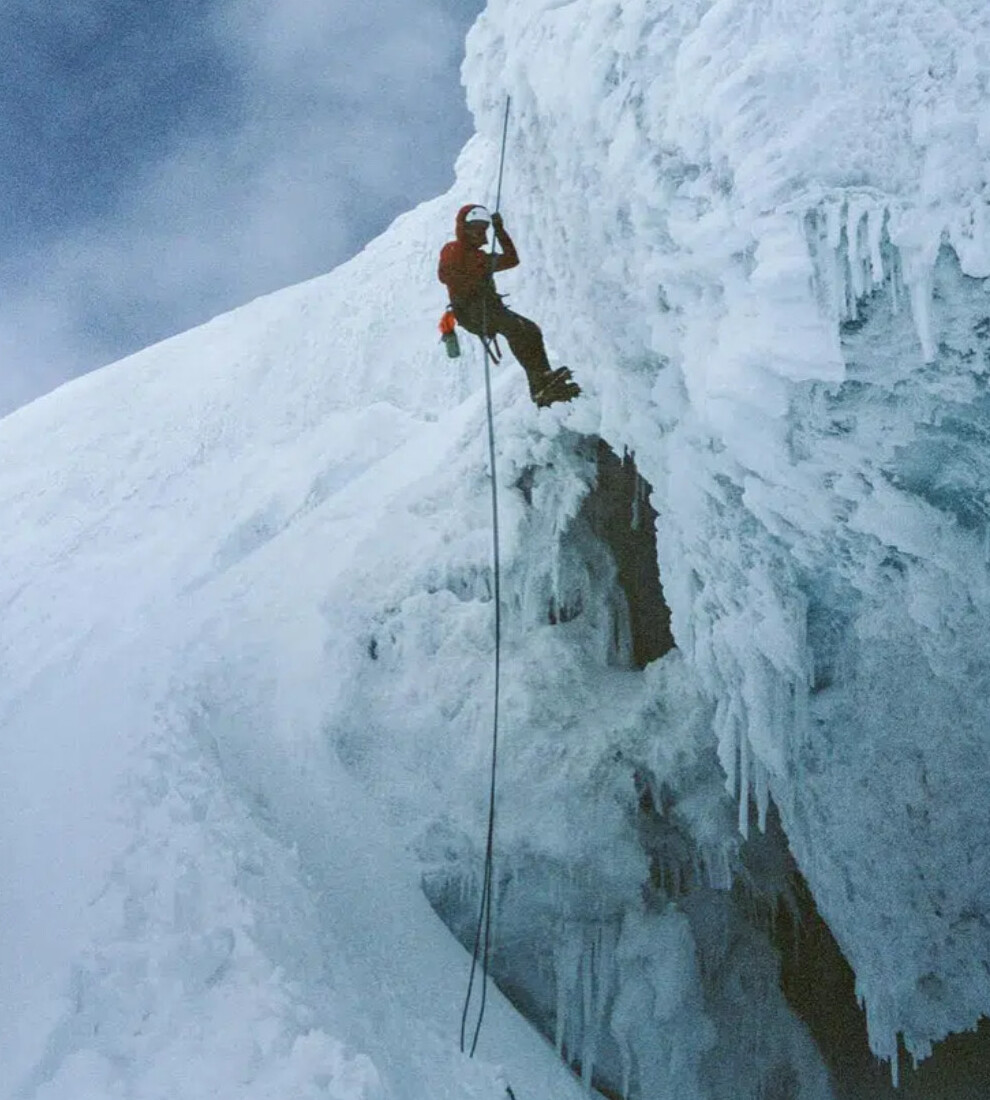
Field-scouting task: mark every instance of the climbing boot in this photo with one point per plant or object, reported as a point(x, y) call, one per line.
point(558, 385)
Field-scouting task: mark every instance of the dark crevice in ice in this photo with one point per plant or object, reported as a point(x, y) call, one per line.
point(819, 985)
point(619, 512)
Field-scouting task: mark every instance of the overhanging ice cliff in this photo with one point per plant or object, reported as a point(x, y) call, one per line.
point(765, 228)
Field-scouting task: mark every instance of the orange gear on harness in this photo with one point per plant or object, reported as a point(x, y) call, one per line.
point(448, 323)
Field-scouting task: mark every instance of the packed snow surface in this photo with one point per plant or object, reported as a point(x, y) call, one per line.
point(196, 539)
point(246, 587)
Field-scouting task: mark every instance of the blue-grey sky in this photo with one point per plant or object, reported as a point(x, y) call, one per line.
point(164, 161)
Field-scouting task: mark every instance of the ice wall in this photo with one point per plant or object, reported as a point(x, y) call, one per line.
point(759, 234)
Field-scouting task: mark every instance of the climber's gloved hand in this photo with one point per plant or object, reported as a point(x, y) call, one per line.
point(497, 222)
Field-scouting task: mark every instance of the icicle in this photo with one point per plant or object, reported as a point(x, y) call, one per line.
point(895, 286)
point(567, 961)
point(833, 225)
point(762, 793)
point(836, 283)
point(857, 273)
point(800, 708)
point(726, 739)
point(921, 308)
point(719, 876)
point(625, 1056)
point(619, 647)
point(919, 275)
point(744, 783)
point(498, 887)
point(555, 570)
point(560, 1022)
point(874, 232)
point(883, 1039)
point(589, 1017)
point(843, 292)
point(605, 974)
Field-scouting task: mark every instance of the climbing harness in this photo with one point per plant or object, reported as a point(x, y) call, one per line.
point(489, 343)
point(448, 336)
point(482, 936)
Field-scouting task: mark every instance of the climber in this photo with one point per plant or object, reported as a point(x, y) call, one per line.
point(468, 273)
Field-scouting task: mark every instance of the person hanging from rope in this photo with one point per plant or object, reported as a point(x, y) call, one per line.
point(468, 273)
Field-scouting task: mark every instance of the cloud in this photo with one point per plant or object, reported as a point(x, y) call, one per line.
point(344, 116)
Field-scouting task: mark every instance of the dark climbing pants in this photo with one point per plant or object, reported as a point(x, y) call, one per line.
point(490, 318)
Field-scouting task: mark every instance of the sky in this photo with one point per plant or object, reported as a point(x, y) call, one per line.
point(163, 162)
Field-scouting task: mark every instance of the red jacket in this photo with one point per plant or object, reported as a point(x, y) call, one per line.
point(467, 270)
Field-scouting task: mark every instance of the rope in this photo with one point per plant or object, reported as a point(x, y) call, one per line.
point(483, 932)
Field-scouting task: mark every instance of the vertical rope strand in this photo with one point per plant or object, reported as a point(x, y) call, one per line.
point(482, 937)
point(501, 162)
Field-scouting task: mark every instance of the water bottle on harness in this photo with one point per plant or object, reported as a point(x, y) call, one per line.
point(448, 333)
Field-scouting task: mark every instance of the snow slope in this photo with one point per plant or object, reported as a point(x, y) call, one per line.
point(185, 560)
point(246, 590)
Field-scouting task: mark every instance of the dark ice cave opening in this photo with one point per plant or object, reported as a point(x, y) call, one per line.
point(819, 985)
